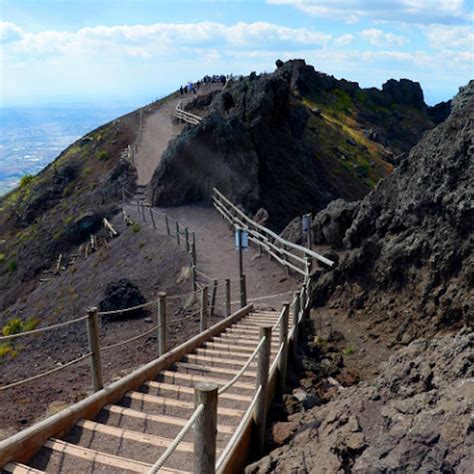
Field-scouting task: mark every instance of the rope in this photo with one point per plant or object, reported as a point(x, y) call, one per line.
point(260, 298)
point(204, 275)
point(125, 310)
point(239, 430)
point(278, 354)
point(44, 374)
point(170, 449)
point(47, 328)
point(239, 374)
point(184, 295)
point(134, 338)
point(278, 320)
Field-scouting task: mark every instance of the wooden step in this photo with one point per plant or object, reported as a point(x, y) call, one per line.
point(232, 348)
point(239, 357)
point(211, 360)
point(242, 340)
point(99, 457)
point(163, 401)
point(167, 420)
point(249, 373)
point(178, 389)
point(191, 378)
point(18, 468)
point(133, 435)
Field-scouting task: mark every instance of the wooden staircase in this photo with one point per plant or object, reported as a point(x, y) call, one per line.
point(131, 434)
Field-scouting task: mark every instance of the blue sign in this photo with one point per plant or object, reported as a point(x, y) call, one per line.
point(241, 236)
point(306, 222)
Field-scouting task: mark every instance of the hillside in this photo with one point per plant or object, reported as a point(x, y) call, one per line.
point(292, 141)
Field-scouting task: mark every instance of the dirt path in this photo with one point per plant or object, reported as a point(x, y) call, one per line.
point(157, 131)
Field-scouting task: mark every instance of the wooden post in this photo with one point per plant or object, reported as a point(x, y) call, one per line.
point(205, 437)
point(303, 302)
point(309, 268)
point(152, 218)
point(177, 233)
point(260, 413)
point(204, 308)
point(162, 327)
point(138, 205)
point(241, 257)
point(143, 212)
point(227, 297)
point(186, 235)
point(243, 292)
point(283, 362)
point(167, 225)
point(213, 297)
point(296, 313)
point(193, 248)
point(195, 285)
point(94, 348)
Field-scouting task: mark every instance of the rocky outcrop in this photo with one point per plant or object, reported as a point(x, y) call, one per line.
point(413, 417)
point(121, 294)
point(280, 141)
point(411, 238)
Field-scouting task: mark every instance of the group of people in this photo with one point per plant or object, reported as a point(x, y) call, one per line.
point(192, 88)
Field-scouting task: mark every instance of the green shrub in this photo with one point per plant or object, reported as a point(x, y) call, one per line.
point(28, 178)
point(103, 156)
point(135, 228)
point(16, 325)
point(6, 350)
point(2, 257)
point(12, 265)
point(348, 350)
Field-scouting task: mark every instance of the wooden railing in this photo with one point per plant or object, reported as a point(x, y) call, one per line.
point(292, 256)
point(184, 116)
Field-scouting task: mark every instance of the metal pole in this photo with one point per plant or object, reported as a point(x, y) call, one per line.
point(260, 413)
point(94, 348)
point(213, 297)
point(204, 308)
point(243, 291)
point(205, 438)
point(296, 313)
point(227, 297)
point(152, 218)
point(186, 235)
point(283, 362)
point(162, 327)
point(177, 233)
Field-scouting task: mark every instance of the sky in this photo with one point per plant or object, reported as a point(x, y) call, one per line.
point(56, 52)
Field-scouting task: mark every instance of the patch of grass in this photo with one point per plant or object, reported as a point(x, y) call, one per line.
point(103, 156)
point(7, 350)
point(348, 350)
point(16, 326)
point(135, 228)
point(2, 257)
point(26, 179)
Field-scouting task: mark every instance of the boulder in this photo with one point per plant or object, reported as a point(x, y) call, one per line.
point(122, 294)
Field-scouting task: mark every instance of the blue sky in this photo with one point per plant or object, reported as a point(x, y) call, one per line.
point(131, 51)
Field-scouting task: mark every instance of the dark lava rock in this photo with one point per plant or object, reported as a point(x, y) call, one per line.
point(404, 92)
point(411, 238)
point(413, 417)
point(122, 294)
point(440, 112)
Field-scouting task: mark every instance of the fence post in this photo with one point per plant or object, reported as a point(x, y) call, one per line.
point(167, 225)
point(213, 297)
point(152, 217)
point(177, 233)
point(283, 362)
point(94, 348)
point(243, 291)
point(162, 327)
point(296, 313)
point(204, 310)
point(260, 413)
point(205, 428)
point(227, 297)
point(143, 212)
point(194, 274)
point(309, 268)
point(303, 301)
point(193, 248)
point(186, 235)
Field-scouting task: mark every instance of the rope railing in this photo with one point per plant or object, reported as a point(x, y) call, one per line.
point(131, 339)
point(277, 323)
point(240, 428)
point(179, 438)
point(41, 330)
point(188, 117)
point(239, 374)
point(277, 357)
point(45, 374)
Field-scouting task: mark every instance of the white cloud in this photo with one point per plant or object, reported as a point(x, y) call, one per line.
point(147, 40)
point(9, 32)
point(418, 11)
point(450, 37)
point(377, 37)
point(344, 39)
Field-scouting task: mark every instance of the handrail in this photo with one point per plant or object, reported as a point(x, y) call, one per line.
point(239, 430)
point(181, 114)
point(272, 234)
point(239, 374)
point(179, 437)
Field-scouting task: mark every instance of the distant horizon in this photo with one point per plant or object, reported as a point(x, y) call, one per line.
point(109, 51)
